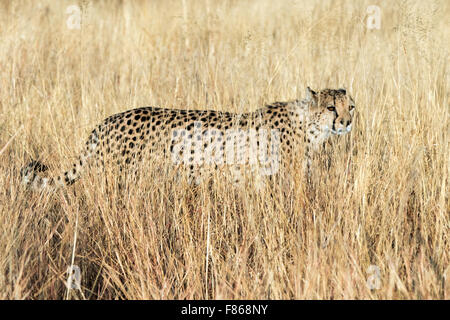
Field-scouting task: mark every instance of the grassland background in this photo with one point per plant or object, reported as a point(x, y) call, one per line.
point(383, 201)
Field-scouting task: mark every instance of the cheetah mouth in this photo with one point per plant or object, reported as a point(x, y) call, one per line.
point(341, 131)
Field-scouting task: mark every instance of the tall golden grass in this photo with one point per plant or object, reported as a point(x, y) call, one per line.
point(373, 224)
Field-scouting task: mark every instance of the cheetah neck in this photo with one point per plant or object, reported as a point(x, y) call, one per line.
point(293, 113)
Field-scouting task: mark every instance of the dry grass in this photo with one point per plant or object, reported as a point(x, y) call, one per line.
point(160, 239)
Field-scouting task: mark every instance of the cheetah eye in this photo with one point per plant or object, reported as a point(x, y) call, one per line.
point(351, 107)
point(331, 108)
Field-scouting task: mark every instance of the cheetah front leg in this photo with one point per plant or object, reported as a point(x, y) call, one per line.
point(307, 164)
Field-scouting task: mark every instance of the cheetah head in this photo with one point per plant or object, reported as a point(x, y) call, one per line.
point(332, 110)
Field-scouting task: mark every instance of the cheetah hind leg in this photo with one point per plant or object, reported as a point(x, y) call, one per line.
point(193, 176)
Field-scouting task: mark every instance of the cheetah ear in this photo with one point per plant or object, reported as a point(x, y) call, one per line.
point(343, 91)
point(311, 96)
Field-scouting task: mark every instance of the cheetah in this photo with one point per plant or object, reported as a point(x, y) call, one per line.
point(186, 137)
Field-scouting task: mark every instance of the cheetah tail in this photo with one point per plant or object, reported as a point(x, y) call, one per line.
point(31, 173)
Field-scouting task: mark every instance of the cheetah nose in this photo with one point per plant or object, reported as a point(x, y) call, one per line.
point(348, 122)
